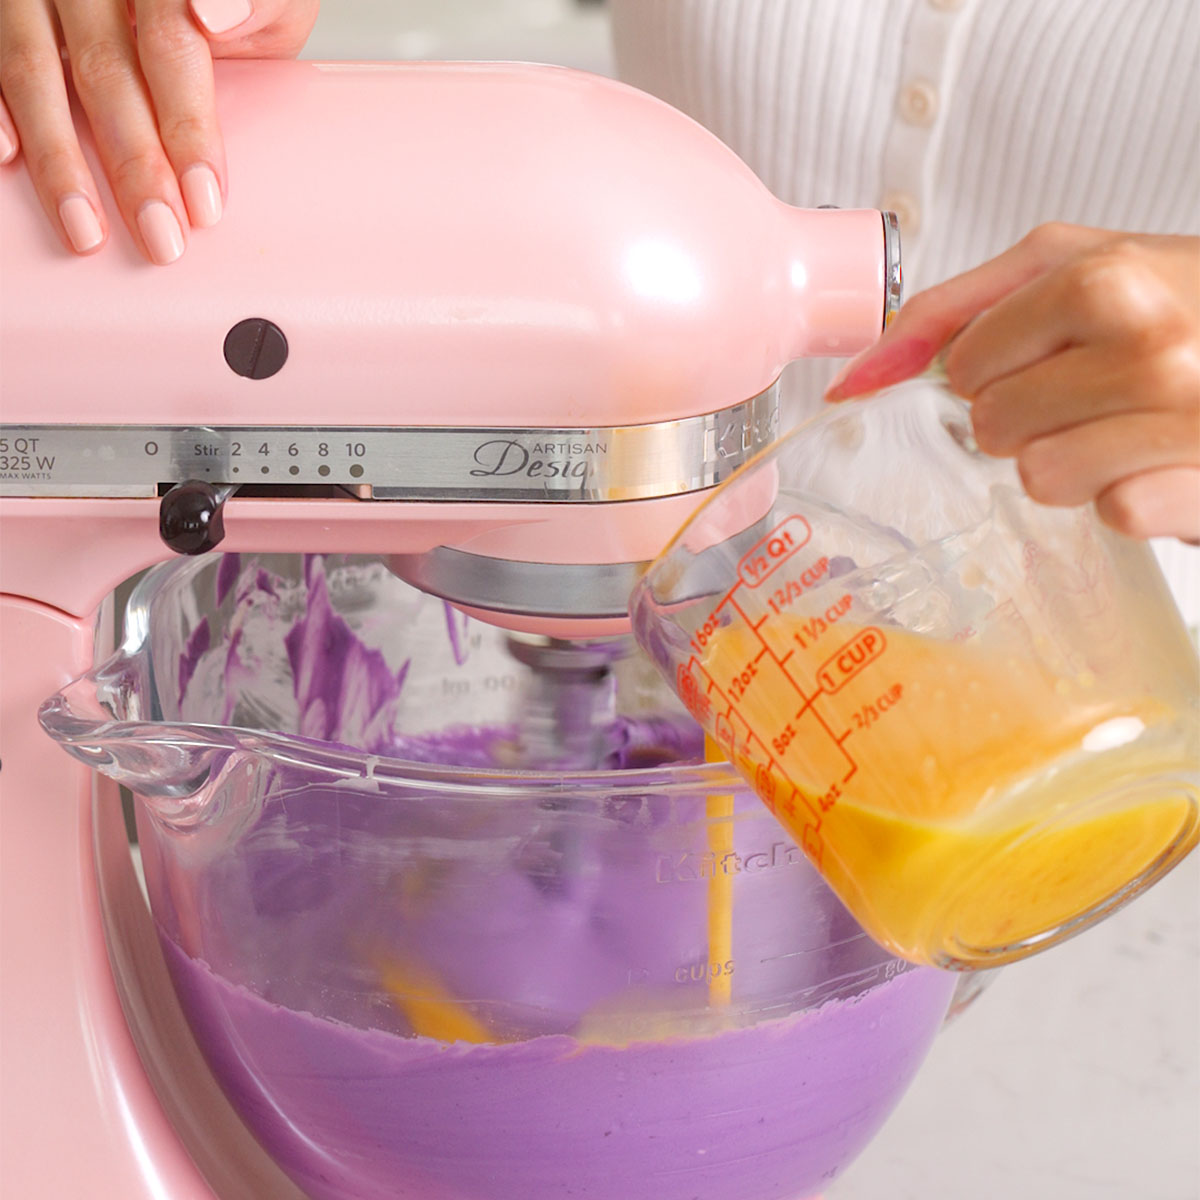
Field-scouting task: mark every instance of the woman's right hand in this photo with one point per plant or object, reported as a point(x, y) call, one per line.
point(142, 70)
point(1079, 350)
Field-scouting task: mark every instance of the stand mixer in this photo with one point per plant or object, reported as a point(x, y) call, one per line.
point(515, 325)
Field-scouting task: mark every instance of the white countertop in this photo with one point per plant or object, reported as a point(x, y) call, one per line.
point(1075, 1076)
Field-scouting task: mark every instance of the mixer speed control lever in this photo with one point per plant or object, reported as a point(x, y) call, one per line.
point(190, 516)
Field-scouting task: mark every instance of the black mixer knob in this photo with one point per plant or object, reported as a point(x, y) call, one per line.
point(256, 348)
point(189, 516)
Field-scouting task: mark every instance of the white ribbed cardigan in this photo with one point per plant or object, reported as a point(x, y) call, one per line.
point(974, 119)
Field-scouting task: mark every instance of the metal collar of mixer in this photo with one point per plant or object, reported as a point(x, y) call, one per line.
point(587, 591)
point(593, 591)
point(893, 283)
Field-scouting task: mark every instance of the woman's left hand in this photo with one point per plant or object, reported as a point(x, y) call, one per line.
point(143, 72)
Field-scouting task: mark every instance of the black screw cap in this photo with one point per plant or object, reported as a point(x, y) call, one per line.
point(256, 348)
point(189, 517)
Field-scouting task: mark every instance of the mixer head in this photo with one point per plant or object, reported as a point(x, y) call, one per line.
point(509, 353)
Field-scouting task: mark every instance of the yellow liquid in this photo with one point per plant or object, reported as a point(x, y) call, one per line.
point(951, 792)
point(973, 891)
point(427, 1004)
point(719, 812)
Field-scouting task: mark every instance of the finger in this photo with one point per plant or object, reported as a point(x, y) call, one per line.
point(109, 81)
point(35, 95)
point(220, 17)
point(10, 143)
point(177, 66)
point(1111, 293)
point(278, 29)
point(1163, 503)
point(1079, 384)
point(927, 322)
point(1079, 464)
point(255, 21)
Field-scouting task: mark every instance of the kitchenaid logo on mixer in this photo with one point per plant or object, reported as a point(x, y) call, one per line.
point(690, 867)
point(508, 457)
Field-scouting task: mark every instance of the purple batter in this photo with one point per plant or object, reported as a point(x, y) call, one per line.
point(555, 919)
point(767, 1113)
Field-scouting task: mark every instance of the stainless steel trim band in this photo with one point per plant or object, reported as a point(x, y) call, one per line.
point(631, 462)
point(893, 283)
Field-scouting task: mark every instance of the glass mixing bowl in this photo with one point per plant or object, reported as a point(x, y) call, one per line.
point(425, 959)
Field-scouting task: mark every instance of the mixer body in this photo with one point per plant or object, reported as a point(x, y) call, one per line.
point(499, 292)
point(507, 351)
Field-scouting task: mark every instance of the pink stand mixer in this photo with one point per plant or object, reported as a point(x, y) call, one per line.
point(517, 323)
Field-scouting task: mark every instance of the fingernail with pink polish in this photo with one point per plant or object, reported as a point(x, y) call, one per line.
point(160, 231)
point(885, 363)
point(836, 382)
point(220, 16)
point(8, 148)
point(202, 194)
point(81, 223)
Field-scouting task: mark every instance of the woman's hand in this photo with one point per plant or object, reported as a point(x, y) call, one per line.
point(1079, 350)
point(142, 70)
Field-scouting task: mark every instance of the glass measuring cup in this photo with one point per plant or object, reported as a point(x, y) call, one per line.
point(977, 714)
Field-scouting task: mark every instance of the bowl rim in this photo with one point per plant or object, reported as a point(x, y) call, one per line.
point(85, 732)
